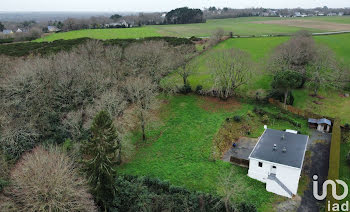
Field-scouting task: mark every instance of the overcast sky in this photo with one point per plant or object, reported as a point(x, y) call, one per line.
point(157, 5)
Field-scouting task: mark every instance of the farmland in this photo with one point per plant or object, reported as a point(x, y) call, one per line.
point(239, 26)
point(259, 49)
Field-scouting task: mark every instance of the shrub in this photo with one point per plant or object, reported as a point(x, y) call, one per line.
point(265, 119)
point(48, 180)
point(199, 89)
point(250, 113)
point(185, 89)
point(237, 118)
point(279, 95)
point(194, 38)
point(149, 194)
point(347, 126)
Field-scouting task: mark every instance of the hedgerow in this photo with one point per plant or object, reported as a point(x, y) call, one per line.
point(144, 193)
point(45, 48)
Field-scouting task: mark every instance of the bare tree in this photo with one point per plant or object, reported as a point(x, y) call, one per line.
point(216, 36)
point(230, 187)
point(48, 180)
point(153, 58)
point(230, 69)
point(323, 70)
point(142, 92)
point(295, 54)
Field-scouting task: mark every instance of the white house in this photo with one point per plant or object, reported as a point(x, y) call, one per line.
point(277, 160)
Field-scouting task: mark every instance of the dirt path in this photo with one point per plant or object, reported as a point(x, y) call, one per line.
point(322, 25)
point(319, 145)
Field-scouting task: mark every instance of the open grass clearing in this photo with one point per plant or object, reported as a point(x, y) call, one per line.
point(180, 151)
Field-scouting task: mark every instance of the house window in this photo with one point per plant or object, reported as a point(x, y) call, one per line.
point(273, 167)
point(260, 164)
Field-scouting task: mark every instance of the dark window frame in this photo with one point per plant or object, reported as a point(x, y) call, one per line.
point(260, 164)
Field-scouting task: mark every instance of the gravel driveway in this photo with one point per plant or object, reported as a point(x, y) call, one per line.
point(319, 145)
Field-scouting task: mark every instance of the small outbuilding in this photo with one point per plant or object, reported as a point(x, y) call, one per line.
point(277, 160)
point(7, 32)
point(322, 125)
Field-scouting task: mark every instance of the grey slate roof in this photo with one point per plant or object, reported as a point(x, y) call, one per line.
point(320, 121)
point(295, 145)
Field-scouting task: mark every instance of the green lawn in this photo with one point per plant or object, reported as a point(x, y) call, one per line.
point(104, 34)
point(180, 150)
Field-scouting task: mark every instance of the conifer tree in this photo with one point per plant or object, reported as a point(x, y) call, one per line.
point(100, 155)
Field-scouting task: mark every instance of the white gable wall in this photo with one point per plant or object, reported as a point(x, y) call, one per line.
point(289, 176)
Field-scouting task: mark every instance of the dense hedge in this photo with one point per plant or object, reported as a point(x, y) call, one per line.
point(334, 158)
point(44, 48)
point(6, 40)
point(279, 116)
point(149, 194)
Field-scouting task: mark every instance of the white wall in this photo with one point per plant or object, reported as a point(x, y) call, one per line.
point(289, 176)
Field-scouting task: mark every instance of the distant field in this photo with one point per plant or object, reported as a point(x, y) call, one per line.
point(104, 34)
point(259, 49)
point(239, 26)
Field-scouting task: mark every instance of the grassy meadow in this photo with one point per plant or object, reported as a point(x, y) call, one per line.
point(259, 49)
point(103, 34)
point(180, 149)
point(239, 26)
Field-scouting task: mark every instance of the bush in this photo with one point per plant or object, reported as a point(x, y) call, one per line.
point(265, 119)
point(54, 183)
point(347, 126)
point(185, 89)
point(278, 95)
point(199, 89)
point(149, 194)
point(237, 118)
point(194, 38)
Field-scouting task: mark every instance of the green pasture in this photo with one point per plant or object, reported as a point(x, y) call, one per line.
point(103, 34)
point(239, 26)
point(180, 150)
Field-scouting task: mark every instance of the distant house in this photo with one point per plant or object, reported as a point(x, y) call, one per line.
point(320, 14)
point(121, 23)
point(297, 14)
point(332, 14)
point(52, 29)
point(277, 160)
point(322, 125)
point(340, 14)
point(7, 32)
point(19, 30)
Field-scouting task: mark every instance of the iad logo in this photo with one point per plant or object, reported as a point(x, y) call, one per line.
point(334, 206)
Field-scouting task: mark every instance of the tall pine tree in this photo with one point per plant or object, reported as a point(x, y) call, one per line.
point(100, 154)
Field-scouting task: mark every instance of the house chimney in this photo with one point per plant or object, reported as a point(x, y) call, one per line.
point(284, 149)
point(274, 147)
point(283, 136)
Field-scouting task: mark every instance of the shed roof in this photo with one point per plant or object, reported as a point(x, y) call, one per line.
point(294, 144)
point(320, 121)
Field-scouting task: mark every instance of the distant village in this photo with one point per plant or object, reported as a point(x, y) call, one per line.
point(157, 18)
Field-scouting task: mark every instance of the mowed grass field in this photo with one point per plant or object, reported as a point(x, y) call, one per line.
point(180, 149)
point(239, 26)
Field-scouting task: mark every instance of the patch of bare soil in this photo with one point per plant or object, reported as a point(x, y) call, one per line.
point(327, 26)
point(317, 96)
point(214, 104)
point(317, 102)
